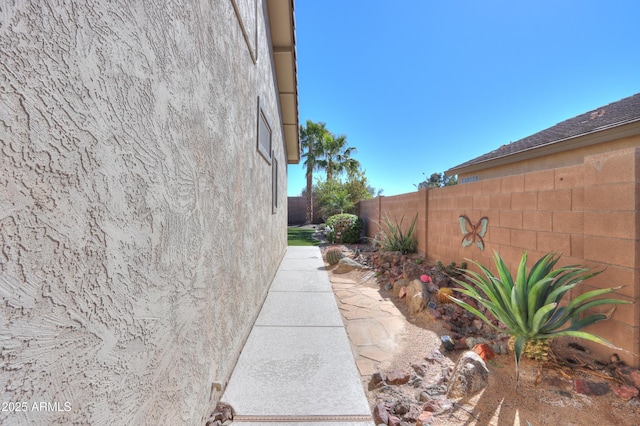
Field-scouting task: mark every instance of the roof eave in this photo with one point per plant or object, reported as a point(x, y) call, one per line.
point(283, 39)
point(631, 128)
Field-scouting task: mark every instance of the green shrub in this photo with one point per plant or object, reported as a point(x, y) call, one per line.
point(344, 228)
point(530, 306)
point(394, 238)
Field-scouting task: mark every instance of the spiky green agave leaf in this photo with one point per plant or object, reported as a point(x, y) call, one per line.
point(518, 346)
point(529, 306)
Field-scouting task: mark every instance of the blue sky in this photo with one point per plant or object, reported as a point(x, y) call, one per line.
point(421, 86)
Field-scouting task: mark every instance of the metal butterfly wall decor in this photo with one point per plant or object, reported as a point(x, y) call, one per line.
point(473, 233)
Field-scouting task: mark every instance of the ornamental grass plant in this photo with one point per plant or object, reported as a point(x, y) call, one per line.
point(529, 306)
point(395, 238)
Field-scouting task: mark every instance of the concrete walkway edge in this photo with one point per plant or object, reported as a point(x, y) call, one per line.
point(297, 367)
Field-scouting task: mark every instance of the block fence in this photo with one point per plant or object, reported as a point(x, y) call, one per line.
point(297, 211)
point(589, 213)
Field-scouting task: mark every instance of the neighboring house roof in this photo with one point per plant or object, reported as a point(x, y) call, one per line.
point(283, 40)
point(561, 135)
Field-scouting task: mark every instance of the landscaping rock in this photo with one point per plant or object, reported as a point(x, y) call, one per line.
point(485, 351)
point(381, 414)
point(347, 264)
point(445, 404)
point(222, 415)
point(420, 369)
point(376, 380)
point(392, 257)
point(431, 405)
point(411, 271)
point(434, 313)
point(398, 285)
point(401, 408)
point(478, 324)
point(435, 356)
point(586, 387)
point(415, 381)
point(417, 304)
point(402, 293)
point(470, 376)
point(625, 392)
point(425, 417)
point(460, 343)
point(394, 421)
point(631, 376)
point(440, 279)
point(434, 405)
point(414, 287)
point(413, 414)
point(398, 377)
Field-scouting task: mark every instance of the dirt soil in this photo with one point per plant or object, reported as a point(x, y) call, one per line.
point(545, 395)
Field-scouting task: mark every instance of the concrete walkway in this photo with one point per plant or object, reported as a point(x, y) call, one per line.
point(297, 367)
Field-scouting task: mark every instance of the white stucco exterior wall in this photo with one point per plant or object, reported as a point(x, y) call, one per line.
point(137, 239)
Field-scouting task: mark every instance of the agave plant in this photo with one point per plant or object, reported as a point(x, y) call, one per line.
point(529, 307)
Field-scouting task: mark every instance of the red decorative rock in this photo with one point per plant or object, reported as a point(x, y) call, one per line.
point(425, 417)
point(625, 392)
point(485, 351)
point(398, 377)
point(413, 414)
point(381, 414)
point(631, 376)
point(394, 421)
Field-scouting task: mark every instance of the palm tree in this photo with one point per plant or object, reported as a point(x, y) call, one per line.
point(336, 155)
point(339, 202)
point(311, 137)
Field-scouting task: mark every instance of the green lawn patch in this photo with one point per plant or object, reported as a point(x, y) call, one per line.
point(301, 237)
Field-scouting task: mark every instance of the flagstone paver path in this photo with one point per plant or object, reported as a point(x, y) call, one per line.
point(374, 324)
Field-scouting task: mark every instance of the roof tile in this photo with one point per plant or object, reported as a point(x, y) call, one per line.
point(612, 115)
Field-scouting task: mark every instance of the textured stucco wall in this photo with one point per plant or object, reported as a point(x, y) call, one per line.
point(136, 230)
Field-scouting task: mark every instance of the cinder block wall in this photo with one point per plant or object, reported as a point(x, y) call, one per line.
point(589, 213)
point(398, 208)
point(297, 211)
point(369, 211)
